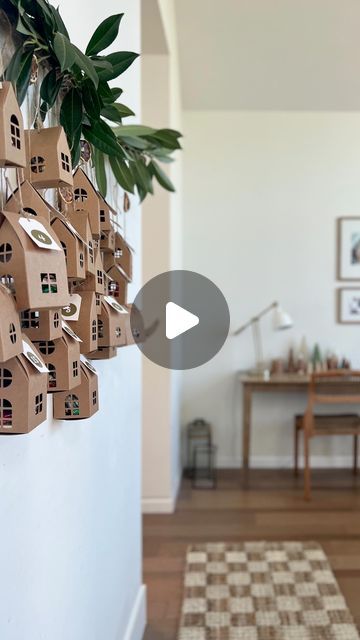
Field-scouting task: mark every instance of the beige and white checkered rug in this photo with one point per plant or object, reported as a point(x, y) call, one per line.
point(263, 591)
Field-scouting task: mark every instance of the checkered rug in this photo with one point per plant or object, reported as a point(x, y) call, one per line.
point(262, 591)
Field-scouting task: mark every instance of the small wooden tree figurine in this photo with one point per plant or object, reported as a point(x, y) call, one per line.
point(41, 325)
point(62, 358)
point(12, 139)
point(49, 158)
point(82, 401)
point(86, 325)
point(10, 332)
point(29, 200)
point(36, 276)
point(86, 198)
point(22, 392)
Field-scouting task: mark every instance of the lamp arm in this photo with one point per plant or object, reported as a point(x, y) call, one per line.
point(256, 318)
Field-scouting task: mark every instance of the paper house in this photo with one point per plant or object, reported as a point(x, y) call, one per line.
point(103, 353)
point(41, 325)
point(105, 214)
point(73, 247)
point(86, 198)
point(107, 241)
point(62, 358)
point(111, 327)
point(48, 158)
point(36, 276)
point(80, 222)
point(12, 138)
point(86, 325)
point(123, 255)
point(10, 332)
point(94, 282)
point(30, 200)
point(22, 394)
point(118, 283)
point(82, 401)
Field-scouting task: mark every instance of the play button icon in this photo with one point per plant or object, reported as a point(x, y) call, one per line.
point(186, 319)
point(178, 320)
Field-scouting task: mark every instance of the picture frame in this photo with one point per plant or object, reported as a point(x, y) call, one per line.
point(348, 248)
point(348, 305)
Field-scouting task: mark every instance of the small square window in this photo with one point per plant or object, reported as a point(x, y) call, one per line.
point(5, 252)
point(52, 376)
point(15, 132)
point(38, 404)
point(72, 407)
point(94, 398)
point(37, 164)
point(94, 330)
point(100, 328)
point(80, 194)
point(75, 368)
point(98, 299)
point(65, 162)
point(5, 414)
point(56, 319)
point(81, 260)
point(48, 283)
point(102, 215)
point(30, 319)
point(5, 378)
point(12, 333)
point(99, 276)
point(47, 347)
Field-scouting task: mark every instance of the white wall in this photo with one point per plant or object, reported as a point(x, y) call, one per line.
point(70, 552)
point(262, 191)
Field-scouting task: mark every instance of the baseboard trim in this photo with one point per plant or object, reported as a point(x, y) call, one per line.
point(285, 462)
point(158, 505)
point(137, 622)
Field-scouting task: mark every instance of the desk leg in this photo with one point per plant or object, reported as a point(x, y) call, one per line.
point(247, 397)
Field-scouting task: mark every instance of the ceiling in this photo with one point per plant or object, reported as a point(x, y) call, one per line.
point(269, 54)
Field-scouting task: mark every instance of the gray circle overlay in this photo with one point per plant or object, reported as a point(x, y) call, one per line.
point(199, 296)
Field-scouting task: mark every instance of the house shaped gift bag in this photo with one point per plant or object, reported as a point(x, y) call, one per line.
point(48, 158)
point(86, 198)
point(10, 332)
point(39, 325)
point(86, 326)
point(12, 138)
point(73, 246)
point(62, 358)
point(82, 401)
point(27, 199)
point(111, 324)
point(80, 221)
point(32, 263)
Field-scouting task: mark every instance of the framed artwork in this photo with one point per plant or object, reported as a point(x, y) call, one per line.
point(349, 305)
point(348, 240)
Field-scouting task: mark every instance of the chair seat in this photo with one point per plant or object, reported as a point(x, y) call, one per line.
point(333, 423)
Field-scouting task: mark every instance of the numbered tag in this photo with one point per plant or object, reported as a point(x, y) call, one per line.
point(115, 305)
point(38, 234)
point(72, 310)
point(88, 364)
point(70, 332)
point(30, 354)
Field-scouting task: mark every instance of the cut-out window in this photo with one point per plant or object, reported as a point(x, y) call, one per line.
point(9, 282)
point(112, 286)
point(38, 404)
point(99, 276)
point(65, 162)
point(5, 414)
point(5, 252)
point(47, 347)
point(118, 332)
point(48, 283)
point(12, 333)
point(100, 328)
point(94, 398)
point(115, 290)
point(94, 330)
point(102, 215)
point(64, 248)
point(5, 378)
point(91, 252)
point(118, 253)
point(37, 164)
point(30, 319)
point(75, 368)
point(80, 194)
point(98, 299)
point(103, 236)
point(15, 132)
point(72, 407)
point(56, 319)
point(52, 376)
point(81, 260)
point(30, 210)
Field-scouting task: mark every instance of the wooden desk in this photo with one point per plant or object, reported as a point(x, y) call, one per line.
point(288, 383)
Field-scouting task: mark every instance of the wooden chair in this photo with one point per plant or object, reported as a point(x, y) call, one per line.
point(341, 387)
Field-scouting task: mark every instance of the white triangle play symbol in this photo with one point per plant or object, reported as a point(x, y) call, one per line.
point(178, 320)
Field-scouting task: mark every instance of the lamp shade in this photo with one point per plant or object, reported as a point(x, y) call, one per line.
point(282, 320)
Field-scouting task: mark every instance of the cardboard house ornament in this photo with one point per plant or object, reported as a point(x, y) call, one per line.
point(86, 198)
point(80, 221)
point(12, 137)
point(42, 324)
point(122, 256)
point(48, 158)
point(20, 378)
point(103, 353)
point(30, 201)
point(82, 401)
point(10, 332)
point(94, 282)
point(86, 326)
point(32, 264)
point(107, 241)
point(117, 283)
point(73, 247)
point(105, 214)
point(111, 324)
point(62, 358)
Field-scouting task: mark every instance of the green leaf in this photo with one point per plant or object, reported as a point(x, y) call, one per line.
point(13, 68)
point(86, 65)
point(167, 138)
point(105, 93)
point(133, 130)
point(100, 173)
point(60, 26)
point(71, 114)
point(120, 61)
point(104, 35)
point(116, 112)
point(24, 26)
point(116, 93)
point(135, 143)
point(142, 175)
point(102, 137)
point(122, 173)
point(50, 87)
point(23, 78)
point(91, 100)
point(163, 180)
point(99, 63)
point(64, 51)
point(76, 148)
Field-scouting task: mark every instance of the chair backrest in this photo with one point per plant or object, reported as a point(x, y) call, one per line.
point(341, 386)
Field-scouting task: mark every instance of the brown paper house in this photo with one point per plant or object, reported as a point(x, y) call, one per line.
point(10, 332)
point(41, 325)
point(80, 222)
point(107, 241)
point(117, 285)
point(86, 326)
point(36, 277)
point(12, 138)
point(31, 200)
point(62, 358)
point(48, 158)
point(111, 327)
point(82, 401)
point(123, 255)
point(86, 198)
point(103, 353)
point(22, 395)
point(94, 282)
point(105, 214)
point(74, 249)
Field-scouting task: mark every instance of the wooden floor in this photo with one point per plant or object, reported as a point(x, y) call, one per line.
point(272, 509)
